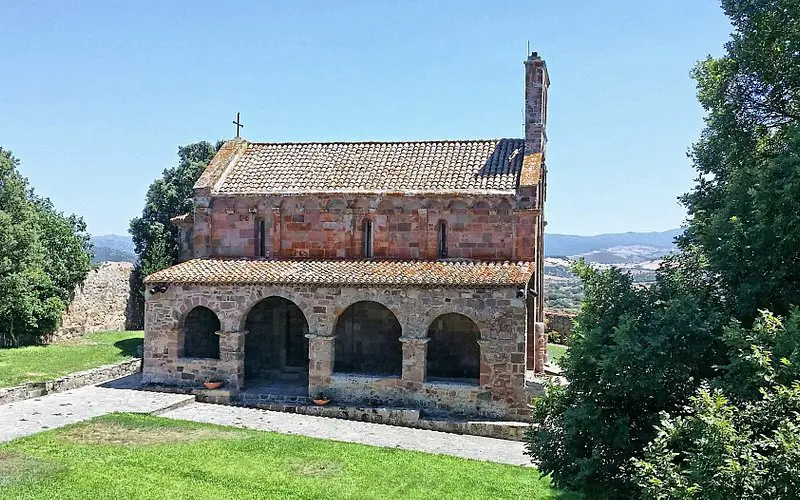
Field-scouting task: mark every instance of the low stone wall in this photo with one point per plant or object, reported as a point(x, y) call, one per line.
point(559, 325)
point(436, 396)
point(71, 381)
point(102, 303)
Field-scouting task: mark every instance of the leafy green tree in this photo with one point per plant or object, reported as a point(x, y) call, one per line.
point(639, 356)
point(636, 352)
point(744, 207)
point(43, 256)
point(744, 446)
point(155, 238)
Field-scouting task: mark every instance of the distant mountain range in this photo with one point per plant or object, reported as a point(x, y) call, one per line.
point(612, 248)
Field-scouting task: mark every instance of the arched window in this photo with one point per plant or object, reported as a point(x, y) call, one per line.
point(453, 350)
point(200, 339)
point(441, 238)
point(368, 340)
point(367, 238)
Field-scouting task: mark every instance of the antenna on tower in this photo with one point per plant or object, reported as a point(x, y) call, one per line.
point(529, 49)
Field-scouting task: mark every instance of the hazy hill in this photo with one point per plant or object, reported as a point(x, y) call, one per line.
point(114, 248)
point(612, 248)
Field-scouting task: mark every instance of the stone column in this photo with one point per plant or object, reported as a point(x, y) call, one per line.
point(486, 365)
point(415, 360)
point(231, 358)
point(321, 351)
point(541, 347)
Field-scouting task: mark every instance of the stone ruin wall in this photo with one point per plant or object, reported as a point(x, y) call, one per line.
point(102, 303)
point(559, 325)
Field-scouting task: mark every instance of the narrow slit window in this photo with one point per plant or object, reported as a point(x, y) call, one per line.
point(442, 239)
point(262, 238)
point(368, 229)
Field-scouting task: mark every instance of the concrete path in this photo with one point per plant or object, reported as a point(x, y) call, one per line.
point(56, 410)
point(480, 448)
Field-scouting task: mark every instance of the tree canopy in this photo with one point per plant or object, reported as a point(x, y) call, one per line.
point(155, 238)
point(689, 388)
point(43, 256)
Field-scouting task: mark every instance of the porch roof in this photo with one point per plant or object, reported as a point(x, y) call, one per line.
point(424, 274)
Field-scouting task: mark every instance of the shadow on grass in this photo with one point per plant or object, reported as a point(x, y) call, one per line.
point(129, 347)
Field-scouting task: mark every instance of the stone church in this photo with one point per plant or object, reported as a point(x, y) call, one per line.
point(404, 274)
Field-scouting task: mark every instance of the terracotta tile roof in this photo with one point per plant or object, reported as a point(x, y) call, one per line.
point(346, 273)
point(370, 167)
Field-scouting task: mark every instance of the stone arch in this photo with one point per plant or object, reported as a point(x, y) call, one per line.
point(267, 292)
point(453, 349)
point(201, 328)
point(386, 206)
point(276, 337)
point(433, 205)
point(361, 204)
point(458, 205)
point(310, 205)
point(481, 205)
point(368, 340)
point(290, 205)
point(336, 204)
point(503, 205)
point(484, 323)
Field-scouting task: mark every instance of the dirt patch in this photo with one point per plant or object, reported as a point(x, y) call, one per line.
point(112, 433)
point(322, 468)
point(18, 468)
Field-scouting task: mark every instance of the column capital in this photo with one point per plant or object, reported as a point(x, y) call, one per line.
point(413, 340)
point(232, 332)
point(314, 336)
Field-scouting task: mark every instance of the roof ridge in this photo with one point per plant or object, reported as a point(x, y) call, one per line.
point(418, 141)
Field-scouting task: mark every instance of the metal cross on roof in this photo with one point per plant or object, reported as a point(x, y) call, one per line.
point(238, 124)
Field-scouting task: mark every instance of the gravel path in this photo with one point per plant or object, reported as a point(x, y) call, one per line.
point(56, 410)
point(479, 448)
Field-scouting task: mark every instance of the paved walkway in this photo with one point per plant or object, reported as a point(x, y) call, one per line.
point(480, 448)
point(56, 410)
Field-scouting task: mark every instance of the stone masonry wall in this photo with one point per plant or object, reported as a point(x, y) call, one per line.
point(101, 303)
point(498, 313)
point(561, 323)
point(331, 227)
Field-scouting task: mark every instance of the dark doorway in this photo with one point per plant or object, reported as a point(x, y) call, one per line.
point(276, 339)
point(200, 338)
point(368, 340)
point(453, 350)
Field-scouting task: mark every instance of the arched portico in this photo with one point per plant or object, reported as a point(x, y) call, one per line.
point(276, 338)
point(368, 340)
point(200, 329)
point(453, 349)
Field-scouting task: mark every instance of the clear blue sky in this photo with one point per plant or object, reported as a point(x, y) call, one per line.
point(97, 96)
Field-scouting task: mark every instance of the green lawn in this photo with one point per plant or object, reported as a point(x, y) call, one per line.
point(38, 363)
point(127, 456)
point(555, 351)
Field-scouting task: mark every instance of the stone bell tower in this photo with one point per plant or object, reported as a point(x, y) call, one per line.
point(537, 83)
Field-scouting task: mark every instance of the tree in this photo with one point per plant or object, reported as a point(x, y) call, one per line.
point(43, 256)
point(744, 207)
point(635, 352)
point(647, 409)
point(155, 238)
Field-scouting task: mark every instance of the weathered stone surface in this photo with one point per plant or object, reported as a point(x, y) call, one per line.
point(502, 330)
point(561, 322)
point(102, 303)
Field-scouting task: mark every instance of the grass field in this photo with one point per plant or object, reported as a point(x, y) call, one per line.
point(555, 351)
point(39, 363)
point(126, 456)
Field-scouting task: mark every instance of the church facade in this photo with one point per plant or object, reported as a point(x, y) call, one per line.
point(388, 273)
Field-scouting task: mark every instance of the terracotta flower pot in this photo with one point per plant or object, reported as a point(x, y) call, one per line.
point(321, 402)
point(212, 385)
